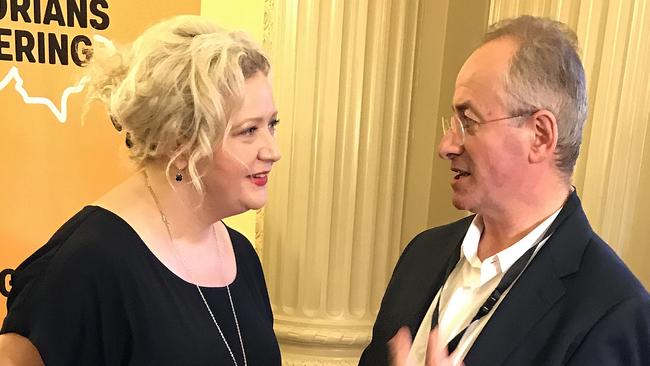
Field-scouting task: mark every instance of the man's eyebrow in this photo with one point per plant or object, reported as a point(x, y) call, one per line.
point(462, 106)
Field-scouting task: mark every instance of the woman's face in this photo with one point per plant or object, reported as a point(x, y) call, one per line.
point(237, 179)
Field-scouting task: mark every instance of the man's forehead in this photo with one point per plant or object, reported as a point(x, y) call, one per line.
point(484, 71)
point(491, 59)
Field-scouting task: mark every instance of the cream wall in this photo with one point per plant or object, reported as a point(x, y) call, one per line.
point(466, 21)
point(247, 15)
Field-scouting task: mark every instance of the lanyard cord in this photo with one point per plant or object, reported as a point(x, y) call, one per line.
point(511, 275)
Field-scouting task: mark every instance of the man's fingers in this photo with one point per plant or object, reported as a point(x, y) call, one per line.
point(437, 354)
point(434, 351)
point(399, 347)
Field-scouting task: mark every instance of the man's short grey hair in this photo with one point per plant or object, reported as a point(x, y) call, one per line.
point(546, 73)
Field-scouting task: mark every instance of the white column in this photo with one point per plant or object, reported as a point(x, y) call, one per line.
point(343, 78)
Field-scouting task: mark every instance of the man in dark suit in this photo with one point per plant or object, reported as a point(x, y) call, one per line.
point(525, 281)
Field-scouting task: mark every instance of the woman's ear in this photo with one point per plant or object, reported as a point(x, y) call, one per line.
point(545, 135)
point(180, 163)
point(178, 158)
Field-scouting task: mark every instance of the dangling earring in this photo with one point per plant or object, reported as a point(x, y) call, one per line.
point(179, 176)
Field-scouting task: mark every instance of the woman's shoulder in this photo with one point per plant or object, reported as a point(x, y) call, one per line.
point(249, 263)
point(77, 277)
point(239, 241)
point(90, 232)
point(89, 241)
point(244, 250)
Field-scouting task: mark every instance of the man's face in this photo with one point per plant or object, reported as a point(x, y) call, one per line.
point(489, 166)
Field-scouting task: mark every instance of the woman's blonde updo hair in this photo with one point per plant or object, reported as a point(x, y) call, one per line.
point(174, 88)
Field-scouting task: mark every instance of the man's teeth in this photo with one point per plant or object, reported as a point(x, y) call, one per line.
point(460, 173)
point(260, 175)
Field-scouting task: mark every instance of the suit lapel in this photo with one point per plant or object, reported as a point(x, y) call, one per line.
point(438, 277)
point(532, 296)
point(536, 291)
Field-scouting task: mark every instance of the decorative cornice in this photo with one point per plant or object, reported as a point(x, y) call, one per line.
point(335, 335)
point(269, 23)
point(259, 233)
point(299, 361)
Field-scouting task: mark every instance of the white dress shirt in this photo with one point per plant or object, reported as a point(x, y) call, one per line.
point(467, 288)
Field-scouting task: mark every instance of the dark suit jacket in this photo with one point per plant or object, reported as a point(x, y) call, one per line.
point(576, 303)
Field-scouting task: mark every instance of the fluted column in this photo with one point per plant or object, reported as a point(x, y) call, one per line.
point(615, 153)
point(343, 77)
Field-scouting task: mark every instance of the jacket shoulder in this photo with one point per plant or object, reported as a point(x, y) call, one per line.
point(434, 240)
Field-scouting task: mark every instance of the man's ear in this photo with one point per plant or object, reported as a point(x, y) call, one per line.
point(545, 135)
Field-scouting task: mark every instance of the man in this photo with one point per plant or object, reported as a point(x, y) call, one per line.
point(525, 281)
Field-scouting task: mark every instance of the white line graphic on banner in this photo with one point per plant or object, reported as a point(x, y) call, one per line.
point(61, 113)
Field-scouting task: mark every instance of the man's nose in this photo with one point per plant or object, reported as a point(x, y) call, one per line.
point(450, 146)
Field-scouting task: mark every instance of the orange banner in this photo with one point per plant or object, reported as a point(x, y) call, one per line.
point(52, 163)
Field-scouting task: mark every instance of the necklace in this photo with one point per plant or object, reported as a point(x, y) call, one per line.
point(180, 260)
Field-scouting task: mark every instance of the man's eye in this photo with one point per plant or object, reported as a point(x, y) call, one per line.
point(467, 122)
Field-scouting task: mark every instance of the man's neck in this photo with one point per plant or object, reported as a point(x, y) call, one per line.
point(509, 226)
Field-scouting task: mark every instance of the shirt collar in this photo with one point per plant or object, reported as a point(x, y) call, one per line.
point(507, 257)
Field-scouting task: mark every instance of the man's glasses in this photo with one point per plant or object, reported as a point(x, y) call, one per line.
point(459, 125)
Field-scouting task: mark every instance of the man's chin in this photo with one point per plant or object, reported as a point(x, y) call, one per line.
point(460, 203)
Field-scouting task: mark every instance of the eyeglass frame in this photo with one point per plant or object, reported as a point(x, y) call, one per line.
point(447, 126)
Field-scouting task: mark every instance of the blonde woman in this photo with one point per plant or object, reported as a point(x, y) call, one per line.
point(149, 274)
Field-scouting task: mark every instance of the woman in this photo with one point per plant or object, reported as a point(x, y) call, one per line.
point(149, 274)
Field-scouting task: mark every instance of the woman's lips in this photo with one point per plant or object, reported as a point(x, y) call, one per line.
point(259, 179)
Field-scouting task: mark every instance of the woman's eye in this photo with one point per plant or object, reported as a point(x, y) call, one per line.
point(273, 124)
point(249, 131)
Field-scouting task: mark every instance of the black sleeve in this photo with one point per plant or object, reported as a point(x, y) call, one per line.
point(65, 302)
point(376, 353)
point(417, 276)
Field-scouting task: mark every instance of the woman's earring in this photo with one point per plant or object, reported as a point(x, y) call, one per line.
point(179, 176)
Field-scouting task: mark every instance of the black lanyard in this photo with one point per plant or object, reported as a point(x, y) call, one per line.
point(508, 278)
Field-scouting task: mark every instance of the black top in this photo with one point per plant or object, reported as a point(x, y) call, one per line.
point(96, 295)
